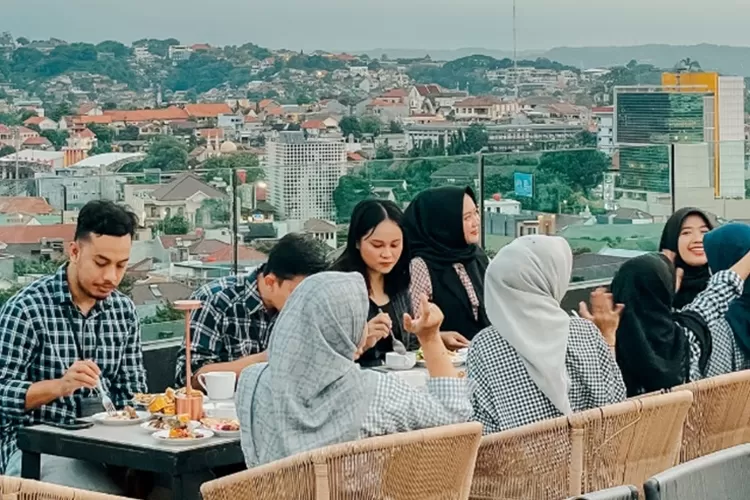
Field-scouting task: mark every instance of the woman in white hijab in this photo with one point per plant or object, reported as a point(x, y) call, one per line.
point(312, 394)
point(536, 362)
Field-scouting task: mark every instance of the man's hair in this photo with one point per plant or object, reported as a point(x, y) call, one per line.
point(295, 255)
point(105, 218)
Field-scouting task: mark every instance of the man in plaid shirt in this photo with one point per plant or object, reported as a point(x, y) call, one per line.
point(61, 334)
point(231, 330)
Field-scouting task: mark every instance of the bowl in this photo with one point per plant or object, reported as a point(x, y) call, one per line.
point(396, 361)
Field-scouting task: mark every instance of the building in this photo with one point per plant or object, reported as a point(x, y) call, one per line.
point(512, 137)
point(303, 173)
point(605, 129)
point(728, 114)
point(71, 188)
point(483, 109)
point(179, 53)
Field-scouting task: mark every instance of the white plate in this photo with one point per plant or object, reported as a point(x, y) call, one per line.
point(457, 360)
point(146, 426)
point(104, 419)
point(163, 437)
point(226, 434)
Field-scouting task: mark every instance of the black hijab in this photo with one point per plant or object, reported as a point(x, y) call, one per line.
point(695, 279)
point(652, 350)
point(434, 225)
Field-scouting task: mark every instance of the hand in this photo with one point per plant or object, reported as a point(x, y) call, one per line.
point(80, 374)
point(679, 272)
point(378, 328)
point(454, 340)
point(426, 325)
point(604, 314)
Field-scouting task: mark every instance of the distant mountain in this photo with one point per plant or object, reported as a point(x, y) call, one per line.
point(447, 55)
point(722, 58)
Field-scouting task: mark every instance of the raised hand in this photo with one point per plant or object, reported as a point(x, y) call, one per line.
point(604, 313)
point(427, 323)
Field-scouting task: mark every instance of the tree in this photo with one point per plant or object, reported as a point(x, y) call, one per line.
point(581, 170)
point(164, 314)
point(395, 127)
point(498, 184)
point(23, 267)
point(349, 125)
point(58, 138)
point(351, 189)
point(101, 148)
point(7, 150)
point(216, 210)
point(370, 125)
point(129, 133)
point(22, 40)
point(585, 139)
point(165, 153)
point(5, 295)
point(476, 138)
point(175, 224)
point(383, 152)
point(109, 106)
point(63, 109)
point(303, 99)
point(102, 132)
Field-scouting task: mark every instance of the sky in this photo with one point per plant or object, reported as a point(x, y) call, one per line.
point(369, 24)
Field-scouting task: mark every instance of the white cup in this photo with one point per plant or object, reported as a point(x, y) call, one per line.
point(398, 361)
point(218, 385)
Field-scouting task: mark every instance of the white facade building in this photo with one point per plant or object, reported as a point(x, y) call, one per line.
point(303, 175)
point(732, 137)
point(605, 131)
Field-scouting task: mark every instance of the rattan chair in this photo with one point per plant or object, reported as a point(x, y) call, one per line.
point(723, 475)
point(628, 442)
point(720, 415)
point(533, 461)
point(12, 488)
point(429, 464)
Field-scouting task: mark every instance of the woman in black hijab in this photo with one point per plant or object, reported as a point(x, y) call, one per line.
point(658, 348)
point(448, 266)
point(683, 235)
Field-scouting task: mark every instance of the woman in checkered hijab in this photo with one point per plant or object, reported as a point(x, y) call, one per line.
point(535, 362)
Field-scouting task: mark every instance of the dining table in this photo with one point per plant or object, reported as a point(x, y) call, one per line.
point(130, 447)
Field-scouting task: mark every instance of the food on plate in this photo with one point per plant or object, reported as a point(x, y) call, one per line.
point(163, 403)
point(221, 424)
point(179, 428)
point(127, 413)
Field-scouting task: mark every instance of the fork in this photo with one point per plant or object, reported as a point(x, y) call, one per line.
point(106, 401)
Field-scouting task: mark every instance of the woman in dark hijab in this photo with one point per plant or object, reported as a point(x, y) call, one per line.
point(656, 347)
point(448, 266)
point(726, 246)
point(683, 235)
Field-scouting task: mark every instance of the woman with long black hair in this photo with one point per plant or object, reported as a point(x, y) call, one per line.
point(377, 249)
point(448, 265)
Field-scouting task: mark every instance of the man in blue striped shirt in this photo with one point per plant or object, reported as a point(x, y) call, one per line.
point(64, 332)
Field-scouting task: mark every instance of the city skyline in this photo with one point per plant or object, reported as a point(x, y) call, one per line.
point(331, 24)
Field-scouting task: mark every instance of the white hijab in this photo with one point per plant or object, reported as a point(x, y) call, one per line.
point(523, 287)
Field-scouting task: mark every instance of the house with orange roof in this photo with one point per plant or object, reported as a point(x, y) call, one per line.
point(37, 143)
point(36, 241)
point(25, 133)
point(209, 111)
point(90, 109)
point(122, 118)
point(387, 110)
point(418, 94)
point(483, 108)
point(42, 122)
point(82, 139)
point(27, 205)
point(267, 103)
point(395, 96)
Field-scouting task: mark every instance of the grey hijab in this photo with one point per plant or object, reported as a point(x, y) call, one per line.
point(310, 394)
point(523, 288)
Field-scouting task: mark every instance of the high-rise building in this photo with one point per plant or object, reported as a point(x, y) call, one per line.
point(302, 174)
point(728, 126)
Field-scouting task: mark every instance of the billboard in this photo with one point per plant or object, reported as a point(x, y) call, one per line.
point(523, 184)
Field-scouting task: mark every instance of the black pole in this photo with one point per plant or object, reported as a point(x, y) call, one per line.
point(235, 225)
point(64, 203)
point(481, 200)
point(671, 176)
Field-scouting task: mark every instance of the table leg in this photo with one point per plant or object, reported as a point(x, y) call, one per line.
point(31, 465)
point(178, 487)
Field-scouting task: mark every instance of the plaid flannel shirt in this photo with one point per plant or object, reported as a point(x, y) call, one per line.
point(233, 323)
point(42, 333)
